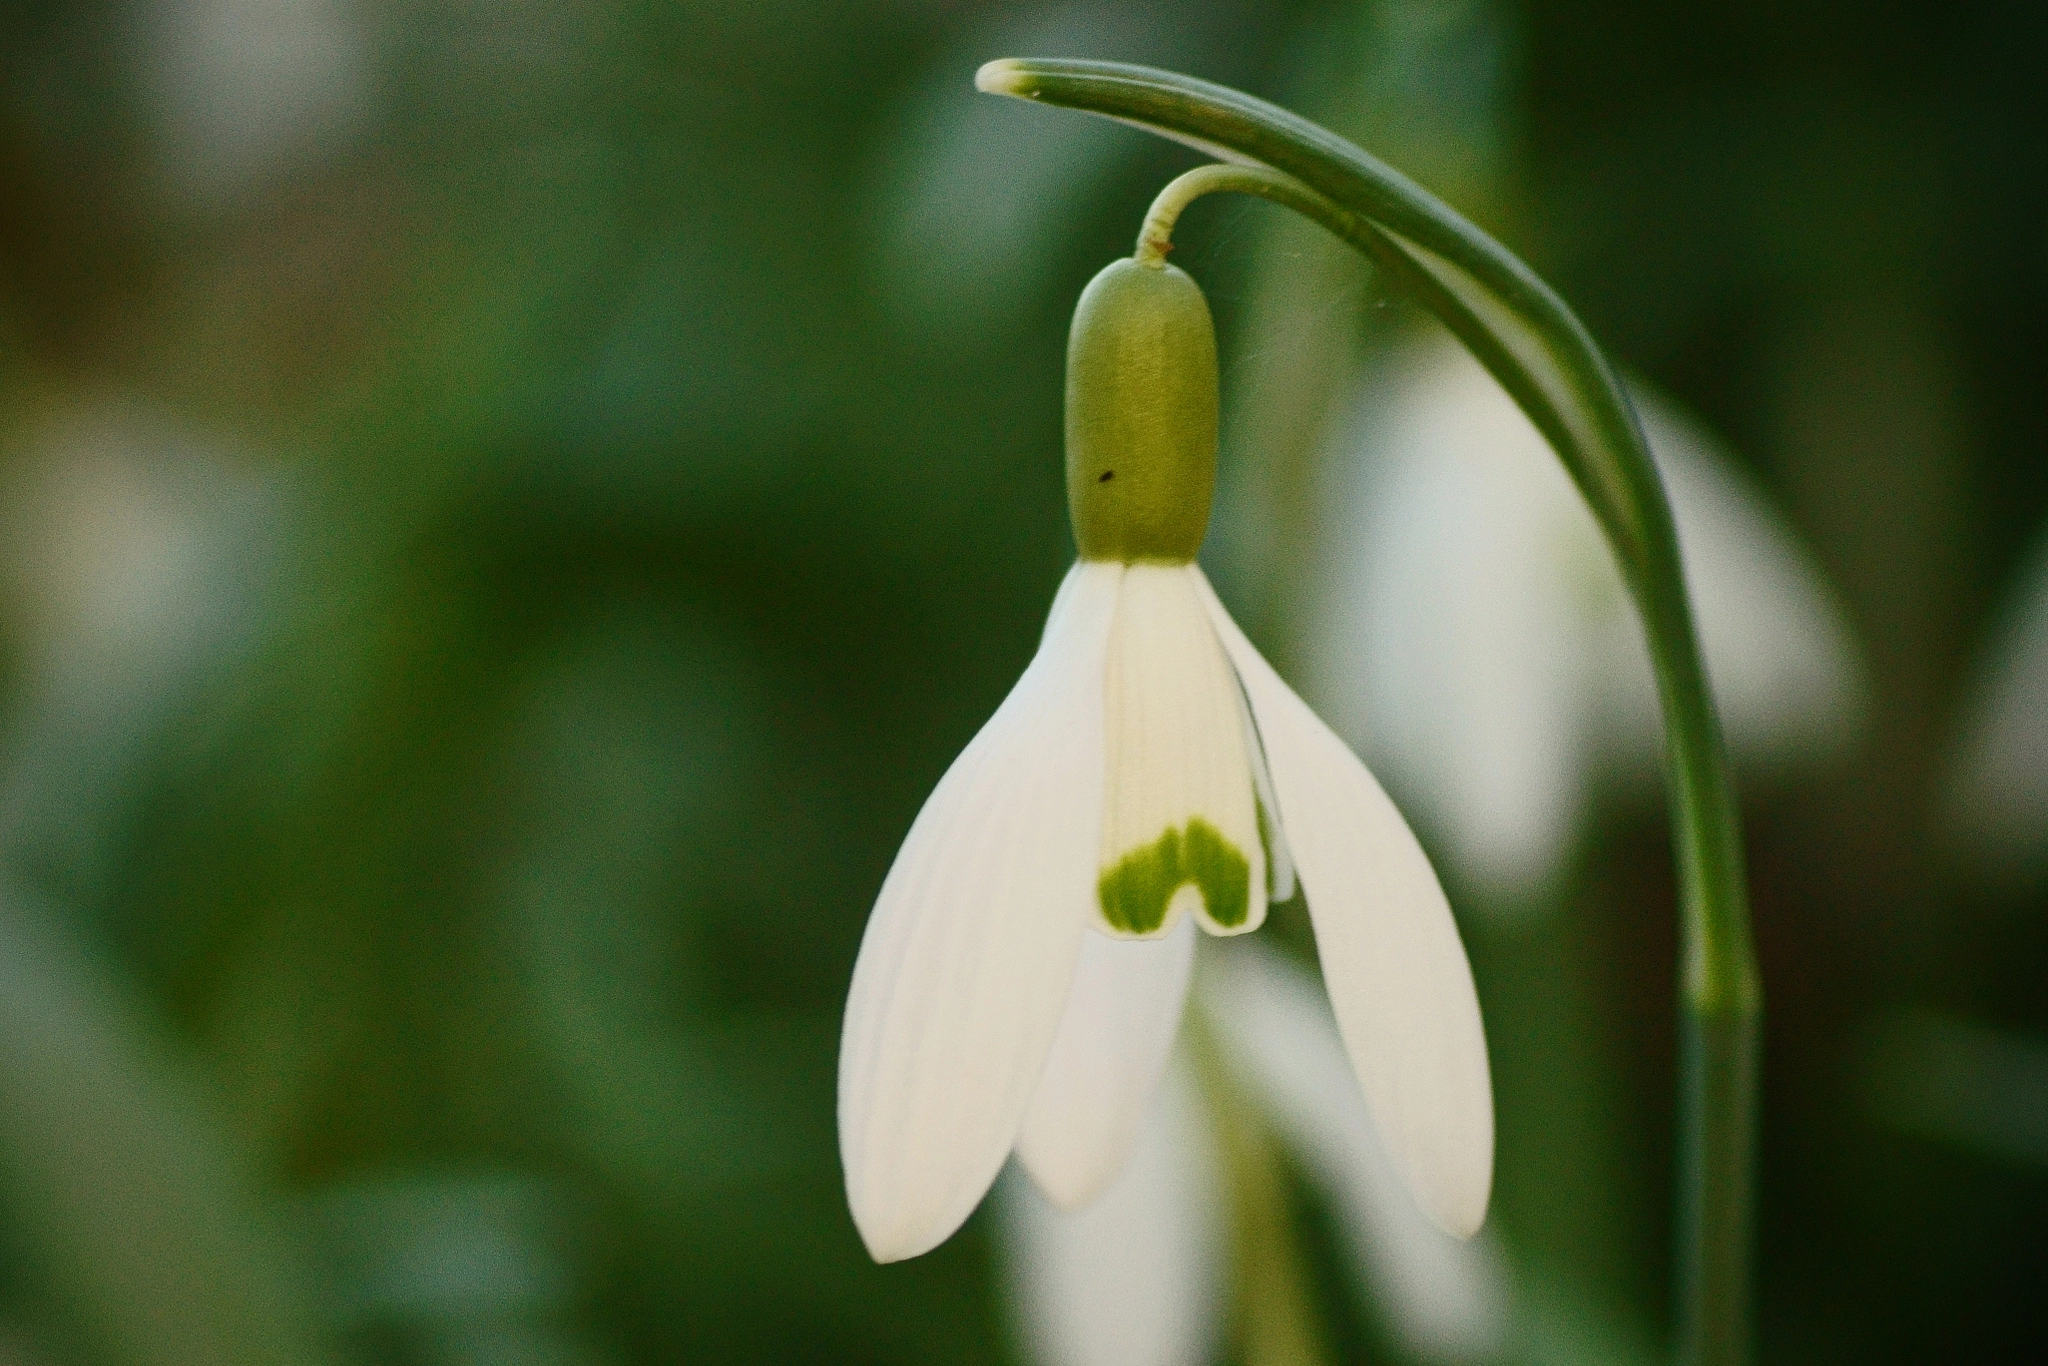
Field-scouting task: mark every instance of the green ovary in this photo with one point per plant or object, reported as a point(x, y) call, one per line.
point(1136, 892)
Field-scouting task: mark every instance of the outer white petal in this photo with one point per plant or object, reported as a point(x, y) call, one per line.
point(1136, 1279)
point(965, 966)
point(1112, 1046)
point(1391, 956)
point(1448, 1299)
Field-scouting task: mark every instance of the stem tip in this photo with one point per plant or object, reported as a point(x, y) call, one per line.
point(1003, 76)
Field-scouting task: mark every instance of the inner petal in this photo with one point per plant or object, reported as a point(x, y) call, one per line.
point(1180, 819)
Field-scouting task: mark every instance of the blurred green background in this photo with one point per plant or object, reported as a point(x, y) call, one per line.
point(507, 507)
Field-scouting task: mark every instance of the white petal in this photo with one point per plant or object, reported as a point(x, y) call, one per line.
point(1136, 1279)
point(1391, 957)
point(1448, 1299)
point(1106, 1061)
point(1180, 797)
point(965, 966)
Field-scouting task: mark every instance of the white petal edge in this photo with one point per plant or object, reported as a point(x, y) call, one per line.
point(1448, 1299)
point(1391, 956)
point(1111, 1049)
point(1136, 1279)
point(967, 959)
point(1279, 863)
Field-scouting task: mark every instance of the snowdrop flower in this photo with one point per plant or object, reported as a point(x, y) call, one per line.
point(1474, 639)
point(1022, 975)
point(1133, 1280)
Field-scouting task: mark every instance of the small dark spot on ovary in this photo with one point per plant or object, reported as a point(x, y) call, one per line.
point(1105, 476)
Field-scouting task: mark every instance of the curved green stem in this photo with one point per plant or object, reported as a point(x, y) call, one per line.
point(1155, 237)
point(1524, 334)
point(1392, 257)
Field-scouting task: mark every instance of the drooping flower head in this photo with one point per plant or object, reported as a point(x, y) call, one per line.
point(1022, 976)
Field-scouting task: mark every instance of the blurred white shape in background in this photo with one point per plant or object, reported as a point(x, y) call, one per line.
point(1472, 638)
point(1136, 1278)
point(1447, 1300)
point(243, 88)
point(129, 542)
point(136, 556)
point(1996, 803)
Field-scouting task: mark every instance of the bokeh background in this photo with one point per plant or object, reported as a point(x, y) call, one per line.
point(506, 508)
